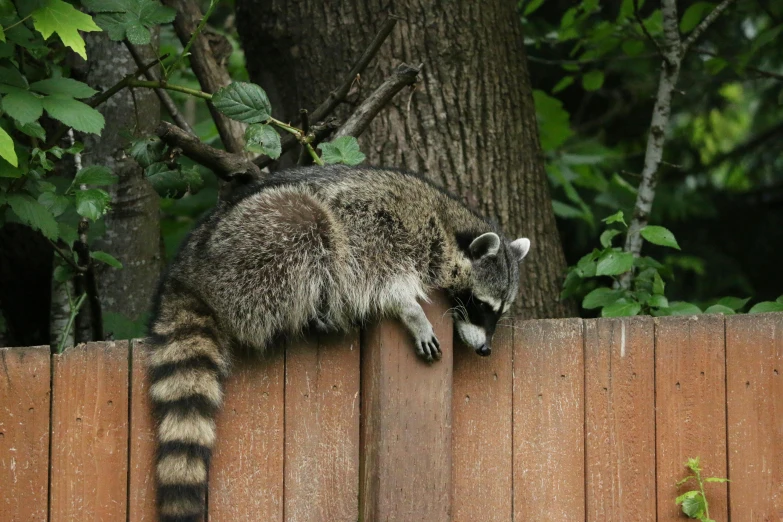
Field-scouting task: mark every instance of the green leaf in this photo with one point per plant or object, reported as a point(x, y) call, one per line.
point(658, 301)
point(694, 506)
point(735, 303)
point(105, 258)
point(11, 76)
point(593, 80)
point(67, 233)
point(7, 151)
point(562, 84)
point(606, 237)
point(131, 19)
point(55, 203)
point(564, 210)
point(716, 479)
point(617, 217)
point(586, 266)
point(614, 263)
point(719, 309)
point(147, 151)
point(601, 297)
point(632, 47)
point(688, 494)
point(170, 183)
point(63, 273)
point(23, 106)
point(32, 213)
point(553, 120)
point(242, 101)
point(263, 139)
point(92, 203)
point(766, 306)
point(659, 236)
point(779, 299)
point(621, 308)
point(344, 149)
point(33, 129)
point(65, 86)
point(74, 114)
point(683, 308)
point(2, 39)
point(95, 175)
point(693, 15)
point(531, 6)
point(62, 18)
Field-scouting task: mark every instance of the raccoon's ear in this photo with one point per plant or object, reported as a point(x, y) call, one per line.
point(485, 245)
point(520, 247)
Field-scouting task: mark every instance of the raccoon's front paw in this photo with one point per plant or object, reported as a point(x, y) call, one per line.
point(428, 347)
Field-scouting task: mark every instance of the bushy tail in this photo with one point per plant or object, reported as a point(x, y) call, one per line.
point(186, 367)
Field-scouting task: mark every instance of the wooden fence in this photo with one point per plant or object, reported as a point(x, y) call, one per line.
point(567, 420)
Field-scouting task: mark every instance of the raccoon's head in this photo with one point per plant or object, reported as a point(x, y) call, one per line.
point(493, 287)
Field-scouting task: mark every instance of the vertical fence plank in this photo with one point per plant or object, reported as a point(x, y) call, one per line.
point(620, 419)
point(549, 421)
point(690, 390)
point(90, 433)
point(24, 433)
point(754, 345)
point(322, 429)
point(141, 493)
point(481, 434)
point(246, 476)
point(406, 424)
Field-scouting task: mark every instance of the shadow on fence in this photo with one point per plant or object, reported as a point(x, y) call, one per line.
point(567, 420)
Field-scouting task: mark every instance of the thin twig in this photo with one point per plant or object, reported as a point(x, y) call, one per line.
point(160, 84)
point(372, 105)
point(304, 155)
point(211, 9)
point(703, 25)
point(638, 17)
point(68, 259)
point(164, 97)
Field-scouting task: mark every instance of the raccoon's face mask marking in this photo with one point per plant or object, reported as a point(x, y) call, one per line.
point(495, 270)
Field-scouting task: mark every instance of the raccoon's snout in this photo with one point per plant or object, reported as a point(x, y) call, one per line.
point(484, 350)
point(474, 336)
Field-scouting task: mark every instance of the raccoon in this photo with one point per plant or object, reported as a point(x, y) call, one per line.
point(323, 248)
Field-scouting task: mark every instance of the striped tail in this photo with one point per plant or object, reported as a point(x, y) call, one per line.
point(186, 368)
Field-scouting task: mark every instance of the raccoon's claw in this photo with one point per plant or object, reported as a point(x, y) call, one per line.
point(429, 349)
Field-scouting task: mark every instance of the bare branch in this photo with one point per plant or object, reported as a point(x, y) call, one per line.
point(708, 20)
point(645, 31)
point(164, 97)
point(225, 165)
point(211, 75)
point(372, 105)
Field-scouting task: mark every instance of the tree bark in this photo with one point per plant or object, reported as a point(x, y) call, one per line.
point(470, 126)
point(132, 226)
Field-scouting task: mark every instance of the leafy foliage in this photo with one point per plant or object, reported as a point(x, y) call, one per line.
point(694, 503)
point(342, 150)
point(131, 19)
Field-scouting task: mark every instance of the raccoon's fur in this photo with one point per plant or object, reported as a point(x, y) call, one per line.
point(323, 247)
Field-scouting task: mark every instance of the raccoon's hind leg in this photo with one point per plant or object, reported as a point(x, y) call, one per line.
point(185, 368)
point(412, 316)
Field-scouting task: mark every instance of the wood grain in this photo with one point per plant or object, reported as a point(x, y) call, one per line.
point(406, 424)
point(141, 481)
point(24, 433)
point(246, 476)
point(690, 388)
point(754, 358)
point(322, 429)
point(481, 433)
point(549, 420)
point(90, 433)
point(620, 419)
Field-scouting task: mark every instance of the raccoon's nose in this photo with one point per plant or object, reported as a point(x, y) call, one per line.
point(484, 350)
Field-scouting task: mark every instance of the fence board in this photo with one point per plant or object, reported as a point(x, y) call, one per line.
point(549, 421)
point(90, 433)
point(690, 392)
point(754, 346)
point(24, 433)
point(406, 424)
point(141, 493)
point(620, 419)
point(322, 429)
point(481, 434)
point(246, 477)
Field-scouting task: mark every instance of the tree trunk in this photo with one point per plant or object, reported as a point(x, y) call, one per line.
point(469, 126)
point(132, 232)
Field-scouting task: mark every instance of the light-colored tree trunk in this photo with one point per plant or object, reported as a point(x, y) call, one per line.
point(470, 125)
